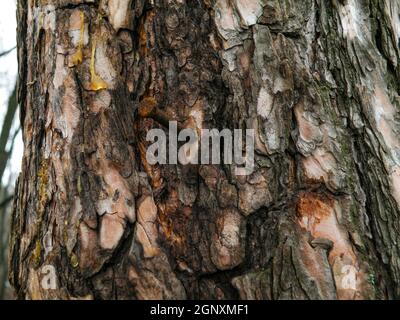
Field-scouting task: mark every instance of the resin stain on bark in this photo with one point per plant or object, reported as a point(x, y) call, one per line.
point(77, 57)
point(96, 82)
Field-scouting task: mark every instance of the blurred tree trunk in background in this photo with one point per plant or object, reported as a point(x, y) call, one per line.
point(6, 135)
point(3, 237)
point(6, 132)
point(319, 218)
point(4, 234)
point(4, 53)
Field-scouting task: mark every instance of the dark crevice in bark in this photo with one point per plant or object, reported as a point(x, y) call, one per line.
point(375, 238)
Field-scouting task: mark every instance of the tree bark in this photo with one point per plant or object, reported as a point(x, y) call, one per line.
point(317, 219)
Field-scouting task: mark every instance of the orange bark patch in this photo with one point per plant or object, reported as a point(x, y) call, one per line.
point(170, 221)
point(312, 204)
point(146, 107)
point(154, 172)
point(319, 215)
point(143, 37)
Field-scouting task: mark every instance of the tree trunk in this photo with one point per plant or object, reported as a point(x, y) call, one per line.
point(317, 219)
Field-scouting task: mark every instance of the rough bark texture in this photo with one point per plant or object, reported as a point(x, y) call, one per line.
point(316, 79)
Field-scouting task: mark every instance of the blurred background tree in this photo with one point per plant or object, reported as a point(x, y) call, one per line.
point(9, 129)
point(7, 139)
